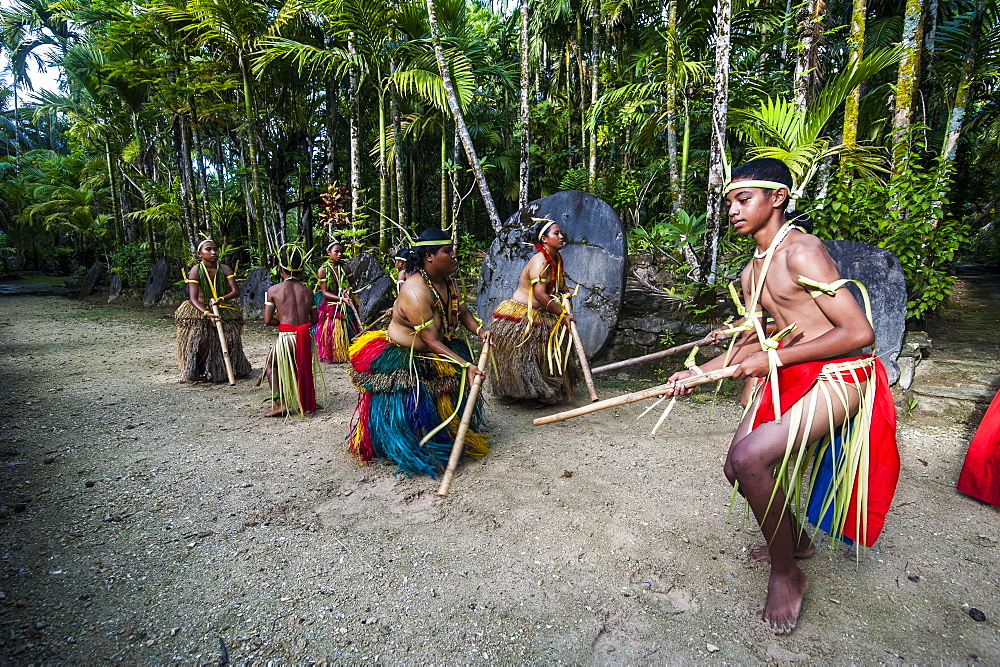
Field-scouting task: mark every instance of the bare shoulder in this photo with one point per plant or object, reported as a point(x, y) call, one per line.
point(193, 273)
point(226, 270)
point(537, 264)
point(807, 256)
point(321, 272)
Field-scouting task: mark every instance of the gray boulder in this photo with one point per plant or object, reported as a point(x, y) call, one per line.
point(882, 275)
point(90, 279)
point(254, 292)
point(115, 290)
point(372, 285)
point(594, 258)
point(156, 284)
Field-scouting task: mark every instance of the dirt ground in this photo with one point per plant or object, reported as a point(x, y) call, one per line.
point(148, 521)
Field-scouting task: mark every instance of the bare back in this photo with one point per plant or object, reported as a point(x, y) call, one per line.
point(293, 304)
point(537, 267)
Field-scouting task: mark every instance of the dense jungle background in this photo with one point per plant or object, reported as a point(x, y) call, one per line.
point(176, 119)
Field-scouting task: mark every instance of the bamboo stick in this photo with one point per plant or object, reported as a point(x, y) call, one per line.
point(372, 325)
point(463, 426)
point(658, 355)
point(587, 377)
point(225, 346)
point(652, 392)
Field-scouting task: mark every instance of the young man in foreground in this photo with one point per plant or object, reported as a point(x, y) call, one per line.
point(826, 389)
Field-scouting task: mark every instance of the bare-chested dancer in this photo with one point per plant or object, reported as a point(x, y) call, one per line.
point(820, 371)
point(410, 376)
point(293, 371)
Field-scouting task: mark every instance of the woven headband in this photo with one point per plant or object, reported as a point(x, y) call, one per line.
point(333, 243)
point(287, 250)
point(541, 232)
point(768, 185)
point(427, 243)
point(198, 249)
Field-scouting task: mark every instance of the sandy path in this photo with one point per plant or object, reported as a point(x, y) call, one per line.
point(171, 515)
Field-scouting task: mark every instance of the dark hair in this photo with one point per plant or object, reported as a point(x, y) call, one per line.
point(536, 229)
point(291, 259)
point(765, 169)
point(415, 256)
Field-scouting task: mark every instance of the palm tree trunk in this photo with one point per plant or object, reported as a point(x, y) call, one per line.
point(190, 229)
point(383, 178)
point(720, 107)
point(807, 22)
point(456, 112)
point(257, 201)
point(595, 79)
point(522, 190)
point(856, 46)
point(397, 132)
point(906, 82)
point(353, 118)
point(957, 116)
point(675, 177)
point(445, 176)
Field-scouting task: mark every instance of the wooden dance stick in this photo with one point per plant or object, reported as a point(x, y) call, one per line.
point(370, 326)
point(652, 392)
point(658, 355)
point(463, 426)
point(225, 347)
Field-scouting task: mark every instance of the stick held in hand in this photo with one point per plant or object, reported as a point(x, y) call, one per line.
point(652, 392)
point(624, 363)
point(463, 426)
point(225, 346)
point(587, 377)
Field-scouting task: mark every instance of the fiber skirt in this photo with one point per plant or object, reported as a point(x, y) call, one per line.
point(199, 353)
point(529, 364)
point(338, 324)
point(404, 397)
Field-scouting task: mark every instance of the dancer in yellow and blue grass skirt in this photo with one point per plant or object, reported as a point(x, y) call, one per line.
point(413, 378)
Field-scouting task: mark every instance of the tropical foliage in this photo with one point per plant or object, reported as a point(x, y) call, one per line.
point(182, 118)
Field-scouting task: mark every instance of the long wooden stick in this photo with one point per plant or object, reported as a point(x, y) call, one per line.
point(652, 392)
point(225, 346)
point(463, 426)
point(370, 326)
point(658, 355)
point(587, 377)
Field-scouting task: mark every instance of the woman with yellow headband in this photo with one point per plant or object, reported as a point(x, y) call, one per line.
point(199, 352)
point(531, 340)
point(413, 377)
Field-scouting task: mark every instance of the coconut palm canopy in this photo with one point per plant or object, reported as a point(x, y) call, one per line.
point(177, 118)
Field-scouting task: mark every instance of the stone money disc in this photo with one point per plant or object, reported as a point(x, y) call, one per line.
point(372, 285)
point(254, 292)
point(156, 284)
point(594, 258)
point(881, 274)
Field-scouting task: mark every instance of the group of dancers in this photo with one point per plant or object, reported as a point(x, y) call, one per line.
point(812, 382)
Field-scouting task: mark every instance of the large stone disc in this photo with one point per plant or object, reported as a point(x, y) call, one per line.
point(882, 275)
point(372, 284)
point(156, 284)
point(594, 258)
point(253, 293)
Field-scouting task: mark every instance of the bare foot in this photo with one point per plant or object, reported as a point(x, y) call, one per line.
point(279, 410)
point(784, 601)
point(803, 549)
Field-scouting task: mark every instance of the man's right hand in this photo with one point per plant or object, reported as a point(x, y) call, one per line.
point(673, 386)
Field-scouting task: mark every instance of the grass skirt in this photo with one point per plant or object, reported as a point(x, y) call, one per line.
point(338, 324)
point(285, 369)
point(522, 370)
point(397, 408)
point(195, 331)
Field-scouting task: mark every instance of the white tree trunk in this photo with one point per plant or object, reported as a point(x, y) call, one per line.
point(456, 112)
point(522, 191)
point(720, 108)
